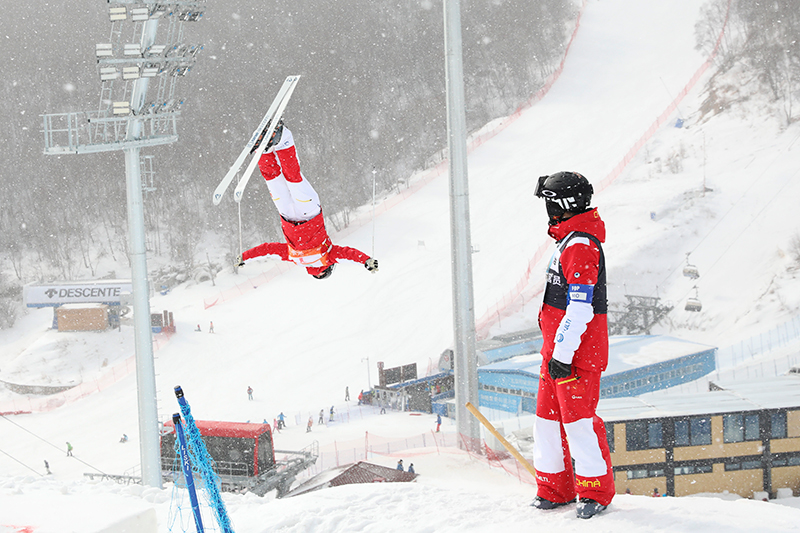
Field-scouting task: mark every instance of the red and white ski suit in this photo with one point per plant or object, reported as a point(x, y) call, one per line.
point(575, 331)
point(307, 241)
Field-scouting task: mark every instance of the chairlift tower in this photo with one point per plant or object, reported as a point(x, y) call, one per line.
point(131, 117)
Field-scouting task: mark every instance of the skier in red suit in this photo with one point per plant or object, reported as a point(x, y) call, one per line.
point(574, 353)
point(307, 242)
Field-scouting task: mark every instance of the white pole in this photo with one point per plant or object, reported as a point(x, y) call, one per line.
point(145, 366)
point(465, 364)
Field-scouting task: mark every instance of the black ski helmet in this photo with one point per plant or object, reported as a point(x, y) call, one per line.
point(564, 192)
point(325, 273)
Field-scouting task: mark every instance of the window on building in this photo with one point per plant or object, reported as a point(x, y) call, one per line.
point(700, 431)
point(778, 425)
point(644, 435)
point(610, 437)
point(693, 469)
point(695, 431)
point(742, 465)
point(643, 473)
point(655, 435)
point(740, 427)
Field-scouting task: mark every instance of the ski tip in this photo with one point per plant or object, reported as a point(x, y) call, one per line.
point(176, 418)
point(178, 391)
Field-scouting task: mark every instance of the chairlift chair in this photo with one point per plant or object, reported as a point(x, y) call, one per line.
point(693, 304)
point(690, 271)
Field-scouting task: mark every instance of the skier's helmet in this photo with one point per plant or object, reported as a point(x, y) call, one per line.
point(276, 135)
point(325, 273)
point(564, 192)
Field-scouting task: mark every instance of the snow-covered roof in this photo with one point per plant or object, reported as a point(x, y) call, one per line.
point(625, 352)
point(766, 393)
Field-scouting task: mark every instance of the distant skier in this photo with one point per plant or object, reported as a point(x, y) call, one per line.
point(307, 241)
point(438, 422)
point(310, 423)
point(321, 417)
point(69, 449)
point(400, 465)
point(47, 466)
point(411, 469)
point(331, 413)
point(281, 420)
point(249, 392)
point(347, 394)
point(211, 327)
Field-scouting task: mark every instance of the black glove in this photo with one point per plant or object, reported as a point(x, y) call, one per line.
point(558, 370)
point(239, 261)
point(371, 264)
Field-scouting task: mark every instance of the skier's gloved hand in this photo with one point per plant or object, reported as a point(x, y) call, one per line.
point(239, 261)
point(558, 370)
point(371, 264)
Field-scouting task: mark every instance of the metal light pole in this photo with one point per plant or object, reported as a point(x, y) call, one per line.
point(127, 121)
point(465, 356)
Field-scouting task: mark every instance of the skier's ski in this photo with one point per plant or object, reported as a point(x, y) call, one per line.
point(239, 191)
point(254, 139)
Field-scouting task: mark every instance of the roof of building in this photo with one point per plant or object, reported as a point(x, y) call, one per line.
point(625, 352)
point(751, 395)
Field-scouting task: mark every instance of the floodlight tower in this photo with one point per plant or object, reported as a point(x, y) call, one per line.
point(127, 120)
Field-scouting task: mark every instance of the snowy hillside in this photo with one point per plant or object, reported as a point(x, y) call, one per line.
point(722, 188)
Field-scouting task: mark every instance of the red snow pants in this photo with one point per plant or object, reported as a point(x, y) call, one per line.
point(566, 428)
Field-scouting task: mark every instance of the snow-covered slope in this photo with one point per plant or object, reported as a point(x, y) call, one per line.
point(299, 342)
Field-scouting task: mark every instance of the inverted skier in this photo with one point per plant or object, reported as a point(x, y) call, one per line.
point(307, 242)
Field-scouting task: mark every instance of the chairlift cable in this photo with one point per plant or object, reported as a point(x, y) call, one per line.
point(728, 212)
point(50, 443)
point(20, 462)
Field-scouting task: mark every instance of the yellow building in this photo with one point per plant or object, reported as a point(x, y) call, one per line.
point(741, 437)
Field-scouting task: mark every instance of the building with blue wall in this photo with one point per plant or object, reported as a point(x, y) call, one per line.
point(637, 365)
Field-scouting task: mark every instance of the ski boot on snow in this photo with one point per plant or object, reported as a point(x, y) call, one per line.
point(587, 508)
point(546, 505)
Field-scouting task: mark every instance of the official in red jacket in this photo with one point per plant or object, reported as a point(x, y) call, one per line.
point(307, 242)
point(574, 353)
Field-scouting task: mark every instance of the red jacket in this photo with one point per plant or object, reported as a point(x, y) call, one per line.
point(307, 244)
point(578, 262)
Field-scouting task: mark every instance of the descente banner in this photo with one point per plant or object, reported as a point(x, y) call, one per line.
point(76, 292)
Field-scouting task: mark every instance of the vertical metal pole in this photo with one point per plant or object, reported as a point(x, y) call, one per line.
point(466, 369)
point(145, 366)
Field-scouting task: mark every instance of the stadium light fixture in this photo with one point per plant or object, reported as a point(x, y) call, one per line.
point(104, 50)
point(132, 49)
point(130, 73)
point(117, 13)
point(155, 50)
point(139, 14)
point(121, 108)
point(150, 70)
point(108, 73)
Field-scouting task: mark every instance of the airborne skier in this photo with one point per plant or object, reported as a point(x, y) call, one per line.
point(307, 242)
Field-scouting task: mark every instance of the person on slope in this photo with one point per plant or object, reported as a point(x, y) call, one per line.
point(307, 242)
point(575, 352)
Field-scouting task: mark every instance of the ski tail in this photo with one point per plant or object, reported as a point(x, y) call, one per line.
point(254, 139)
point(239, 191)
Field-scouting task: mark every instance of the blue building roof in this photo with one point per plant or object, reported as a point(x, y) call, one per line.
point(637, 364)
